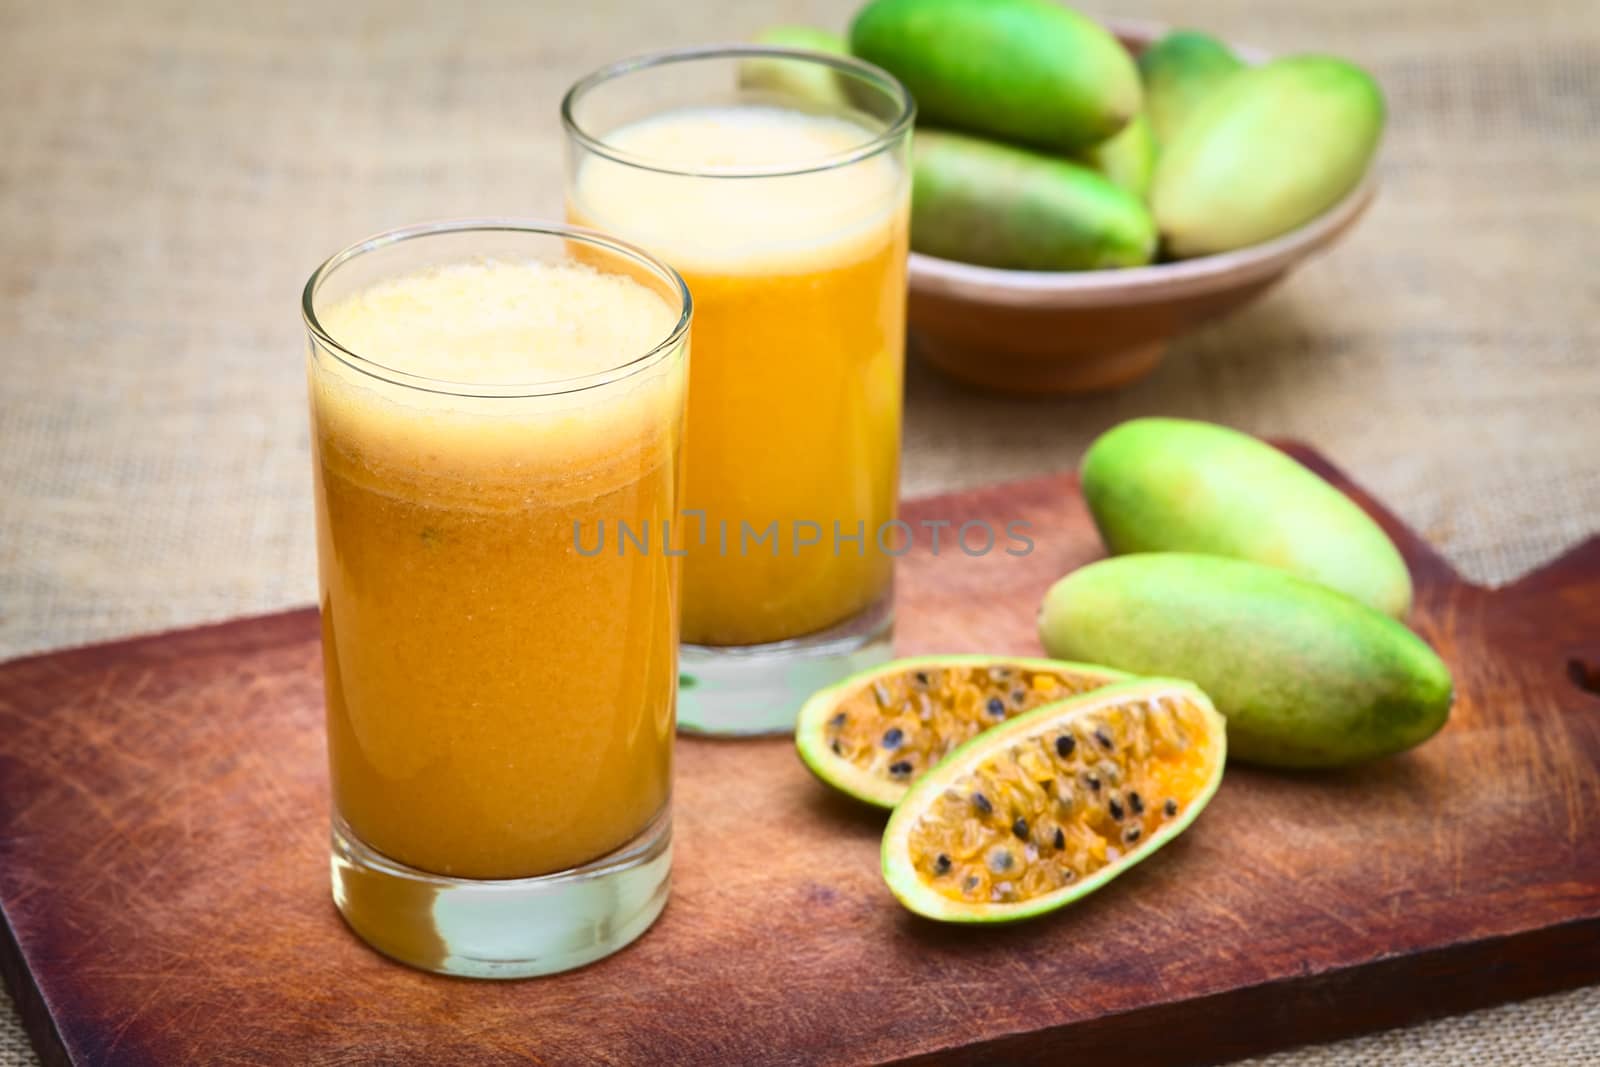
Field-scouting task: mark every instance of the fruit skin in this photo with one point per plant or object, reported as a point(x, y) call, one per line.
point(1271, 149)
point(813, 38)
point(1128, 158)
point(1179, 71)
point(1030, 71)
point(811, 83)
point(1176, 485)
point(809, 728)
point(1307, 677)
point(901, 876)
point(997, 205)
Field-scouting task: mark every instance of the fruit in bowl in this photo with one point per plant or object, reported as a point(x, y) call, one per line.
point(1046, 96)
point(1082, 194)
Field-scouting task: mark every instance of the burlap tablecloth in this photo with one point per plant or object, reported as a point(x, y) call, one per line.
point(171, 172)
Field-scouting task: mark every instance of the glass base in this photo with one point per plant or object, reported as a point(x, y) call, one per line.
point(512, 928)
point(758, 689)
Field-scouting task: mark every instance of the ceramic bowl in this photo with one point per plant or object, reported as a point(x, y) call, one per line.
point(1057, 332)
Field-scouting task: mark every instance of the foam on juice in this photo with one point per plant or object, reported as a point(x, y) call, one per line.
point(495, 325)
point(711, 221)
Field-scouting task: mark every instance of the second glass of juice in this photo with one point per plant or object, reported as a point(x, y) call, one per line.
point(777, 183)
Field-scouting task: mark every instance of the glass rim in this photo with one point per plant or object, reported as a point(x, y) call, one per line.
point(895, 131)
point(496, 390)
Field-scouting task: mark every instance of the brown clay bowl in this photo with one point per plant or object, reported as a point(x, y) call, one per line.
point(1060, 332)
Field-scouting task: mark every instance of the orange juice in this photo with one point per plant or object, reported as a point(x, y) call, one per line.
point(798, 279)
point(499, 704)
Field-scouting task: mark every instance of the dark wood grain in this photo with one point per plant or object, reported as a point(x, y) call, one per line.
point(163, 873)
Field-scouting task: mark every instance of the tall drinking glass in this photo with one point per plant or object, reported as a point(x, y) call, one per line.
point(777, 182)
point(486, 395)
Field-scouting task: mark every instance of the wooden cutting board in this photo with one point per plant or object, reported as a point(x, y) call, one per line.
point(164, 881)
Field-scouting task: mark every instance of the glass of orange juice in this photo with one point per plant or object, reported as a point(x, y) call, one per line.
point(500, 702)
point(777, 182)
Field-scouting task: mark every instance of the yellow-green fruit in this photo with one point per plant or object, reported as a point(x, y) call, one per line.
point(998, 205)
point(1179, 71)
point(1271, 149)
point(1307, 677)
point(809, 83)
point(1044, 809)
point(810, 38)
point(1176, 485)
point(873, 734)
point(1030, 71)
point(1129, 158)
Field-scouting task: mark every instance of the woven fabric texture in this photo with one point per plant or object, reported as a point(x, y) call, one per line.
point(172, 171)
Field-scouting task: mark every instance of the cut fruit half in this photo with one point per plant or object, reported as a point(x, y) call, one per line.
point(874, 733)
point(1052, 805)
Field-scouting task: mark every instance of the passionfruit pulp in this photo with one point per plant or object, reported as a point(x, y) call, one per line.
point(876, 732)
point(1050, 806)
